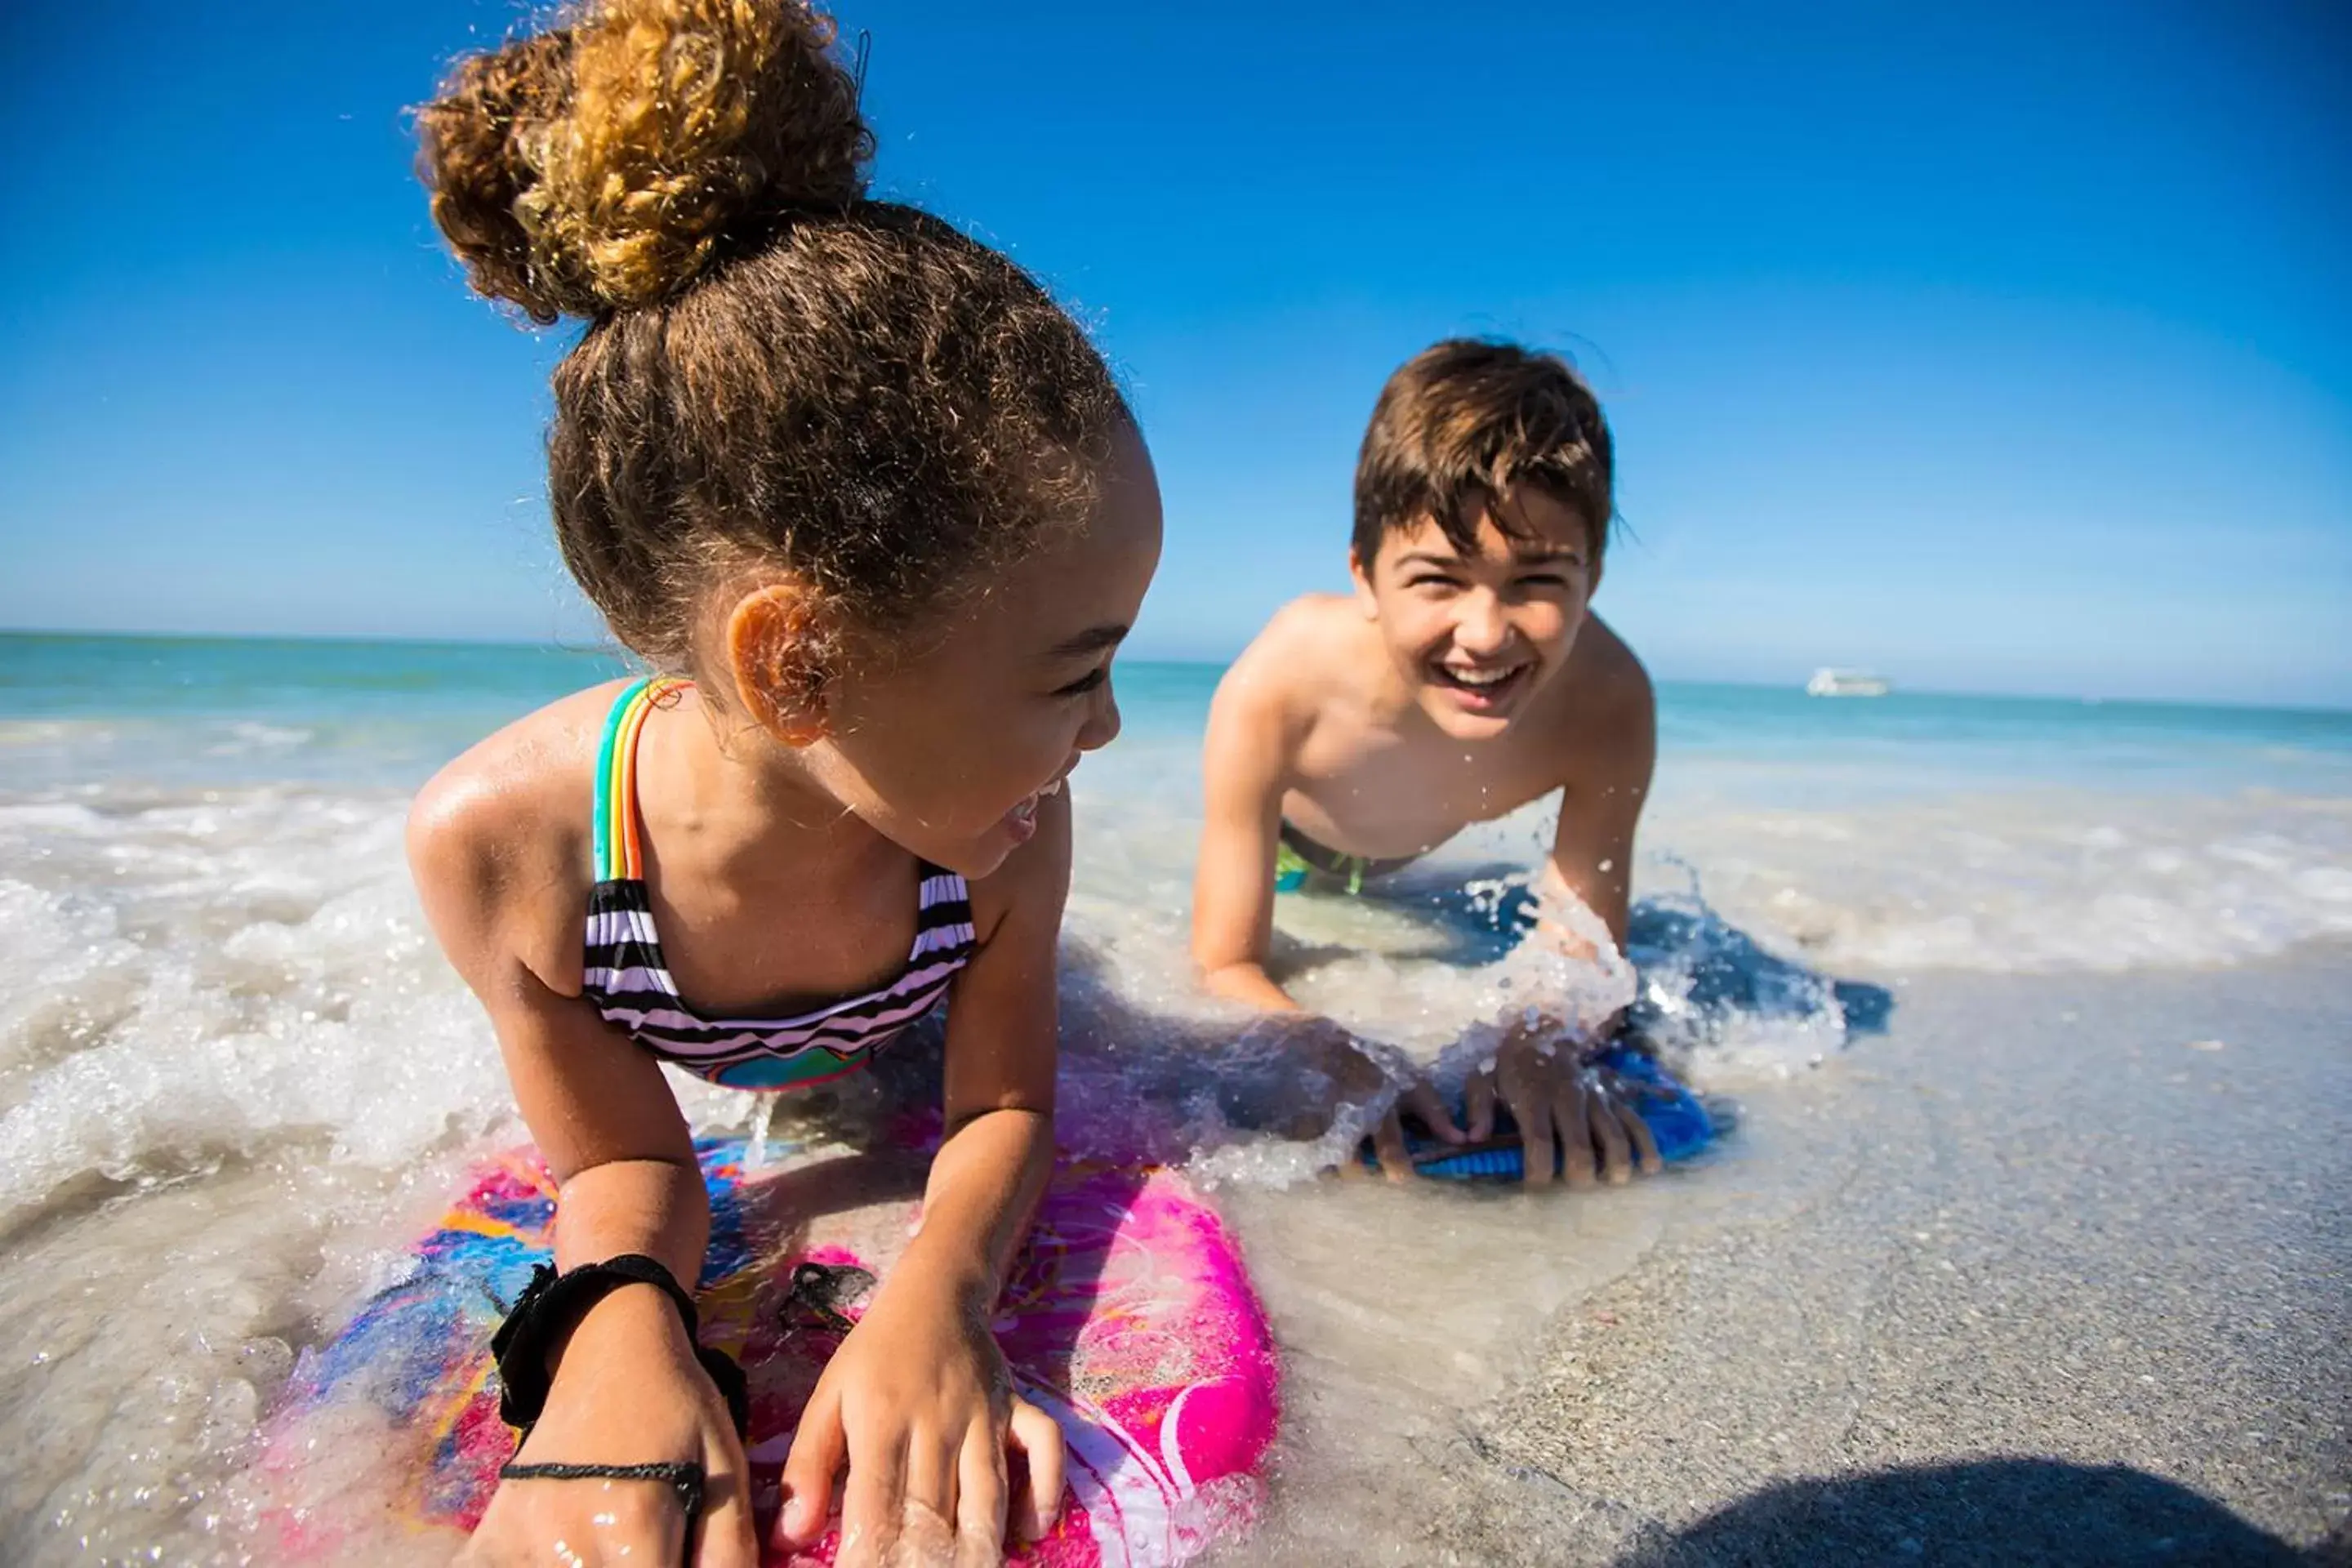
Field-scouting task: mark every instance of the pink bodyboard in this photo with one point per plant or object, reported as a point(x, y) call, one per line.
point(1130, 1317)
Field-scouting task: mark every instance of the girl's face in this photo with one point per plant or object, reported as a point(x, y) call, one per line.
point(1475, 635)
point(948, 752)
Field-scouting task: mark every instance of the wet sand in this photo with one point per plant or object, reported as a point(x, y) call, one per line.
point(2055, 1270)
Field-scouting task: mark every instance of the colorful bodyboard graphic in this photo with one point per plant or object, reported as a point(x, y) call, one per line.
point(1129, 1319)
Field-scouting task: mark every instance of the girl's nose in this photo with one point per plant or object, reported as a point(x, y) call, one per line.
point(1101, 727)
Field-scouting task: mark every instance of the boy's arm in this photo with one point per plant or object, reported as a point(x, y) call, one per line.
point(1244, 760)
point(1554, 1101)
point(1608, 783)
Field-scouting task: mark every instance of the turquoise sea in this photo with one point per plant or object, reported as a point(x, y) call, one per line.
point(380, 711)
point(236, 1073)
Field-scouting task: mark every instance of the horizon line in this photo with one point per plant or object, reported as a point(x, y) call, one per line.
point(614, 650)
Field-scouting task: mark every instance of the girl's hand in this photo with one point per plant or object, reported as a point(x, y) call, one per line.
point(627, 1392)
point(1559, 1102)
point(919, 1404)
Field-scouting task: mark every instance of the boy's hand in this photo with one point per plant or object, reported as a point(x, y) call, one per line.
point(1356, 1078)
point(1584, 1112)
point(1420, 1102)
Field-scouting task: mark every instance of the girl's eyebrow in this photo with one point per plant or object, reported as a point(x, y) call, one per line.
point(1093, 639)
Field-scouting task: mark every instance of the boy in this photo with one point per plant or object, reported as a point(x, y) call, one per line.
point(1464, 678)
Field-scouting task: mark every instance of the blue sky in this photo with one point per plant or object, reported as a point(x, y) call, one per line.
point(2002, 347)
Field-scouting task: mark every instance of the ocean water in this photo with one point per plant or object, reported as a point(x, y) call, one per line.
point(235, 1075)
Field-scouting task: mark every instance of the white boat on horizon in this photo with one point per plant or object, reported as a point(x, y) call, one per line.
point(1828, 682)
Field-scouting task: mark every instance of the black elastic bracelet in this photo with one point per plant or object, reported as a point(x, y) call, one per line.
point(687, 1480)
point(551, 1303)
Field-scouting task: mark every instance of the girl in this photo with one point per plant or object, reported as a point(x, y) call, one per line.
point(871, 506)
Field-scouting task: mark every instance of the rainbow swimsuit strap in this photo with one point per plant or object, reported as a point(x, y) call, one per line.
point(620, 852)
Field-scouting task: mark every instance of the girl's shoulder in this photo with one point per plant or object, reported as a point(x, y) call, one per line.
point(501, 839)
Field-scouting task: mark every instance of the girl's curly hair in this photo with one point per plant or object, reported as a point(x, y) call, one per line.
point(776, 370)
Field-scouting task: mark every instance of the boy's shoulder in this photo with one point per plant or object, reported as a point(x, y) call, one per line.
point(1606, 700)
point(1326, 626)
point(1608, 673)
point(1290, 667)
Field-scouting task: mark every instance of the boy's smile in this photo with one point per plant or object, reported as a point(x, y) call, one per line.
point(1476, 635)
point(1491, 689)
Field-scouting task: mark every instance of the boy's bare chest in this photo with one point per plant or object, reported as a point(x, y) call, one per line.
point(1386, 796)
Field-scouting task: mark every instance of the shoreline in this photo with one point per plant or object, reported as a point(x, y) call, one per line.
point(2038, 1276)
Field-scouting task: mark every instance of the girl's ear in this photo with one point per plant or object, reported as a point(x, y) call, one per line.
point(775, 652)
point(1361, 571)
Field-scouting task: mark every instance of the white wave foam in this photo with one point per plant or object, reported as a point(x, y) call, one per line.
point(218, 976)
point(69, 972)
point(246, 737)
point(2045, 882)
point(198, 975)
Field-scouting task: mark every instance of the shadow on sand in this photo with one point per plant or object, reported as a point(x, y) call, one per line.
point(2012, 1513)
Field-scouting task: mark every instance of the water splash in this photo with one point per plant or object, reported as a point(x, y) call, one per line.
point(755, 1146)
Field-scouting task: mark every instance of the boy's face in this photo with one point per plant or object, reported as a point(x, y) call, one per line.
point(1476, 635)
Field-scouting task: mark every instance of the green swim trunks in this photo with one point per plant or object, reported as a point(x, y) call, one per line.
point(1299, 861)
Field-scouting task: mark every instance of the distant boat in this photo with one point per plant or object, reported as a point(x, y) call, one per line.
point(1827, 682)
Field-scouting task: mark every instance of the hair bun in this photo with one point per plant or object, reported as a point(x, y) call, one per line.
point(601, 164)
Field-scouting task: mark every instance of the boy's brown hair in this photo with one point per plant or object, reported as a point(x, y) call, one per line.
point(1468, 420)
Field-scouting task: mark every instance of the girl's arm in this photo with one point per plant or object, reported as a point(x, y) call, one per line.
point(598, 1107)
point(625, 1386)
point(919, 1402)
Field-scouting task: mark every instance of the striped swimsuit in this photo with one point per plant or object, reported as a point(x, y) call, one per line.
point(630, 982)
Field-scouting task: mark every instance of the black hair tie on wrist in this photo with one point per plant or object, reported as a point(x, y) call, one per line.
point(686, 1479)
point(553, 1302)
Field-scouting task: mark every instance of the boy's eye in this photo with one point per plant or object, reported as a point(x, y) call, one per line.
point(1429, 580)
point(1090, 682)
